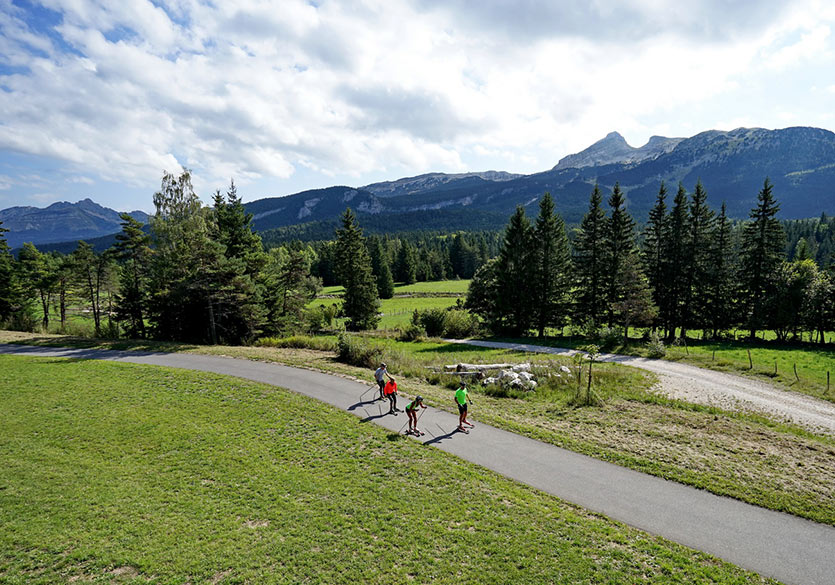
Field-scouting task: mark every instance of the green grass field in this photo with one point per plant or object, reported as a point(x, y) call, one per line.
point(118, 473)
point(397, 312)
point(451, 287)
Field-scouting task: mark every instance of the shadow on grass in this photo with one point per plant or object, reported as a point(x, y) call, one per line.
point(116, 344)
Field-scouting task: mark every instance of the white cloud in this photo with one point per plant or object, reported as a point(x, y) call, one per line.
point(257, 89)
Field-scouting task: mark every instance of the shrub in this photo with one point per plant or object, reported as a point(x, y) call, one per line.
point(610, 337)
point(456, 323)
point(432, 321)
point(358, 352)
point(412, 333)
point(298, 341)
point(459, 324)
point(655, 346)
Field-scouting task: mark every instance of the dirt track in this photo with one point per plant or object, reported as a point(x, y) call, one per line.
point(719, 389)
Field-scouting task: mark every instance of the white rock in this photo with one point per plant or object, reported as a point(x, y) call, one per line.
point(521, 367)
point(526, 376)
point(488, 381)
point(532, 385)
point(565, 369)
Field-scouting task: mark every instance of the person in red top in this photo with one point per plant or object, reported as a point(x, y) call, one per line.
point(391, 393)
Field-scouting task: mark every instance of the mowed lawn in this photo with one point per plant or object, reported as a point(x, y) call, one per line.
point(118, 473)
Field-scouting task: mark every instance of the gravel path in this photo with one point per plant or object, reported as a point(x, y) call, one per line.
point(703, 386)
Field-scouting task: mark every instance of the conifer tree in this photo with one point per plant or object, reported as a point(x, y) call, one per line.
point(198, 293)
point(652, 252)
point(37, 272)
point(700, 228)
point(133, 249)
point(763, 242)
point(482, 294)
point(675, 263)
point(289, 287)
point(7, 278)
point(380, 268)
point(405, 266)
point(721, 277)
point(513, 275)
point(590, 263)
point(360, 301)
point(619, 246)
point(551, 268)
point(232, 227)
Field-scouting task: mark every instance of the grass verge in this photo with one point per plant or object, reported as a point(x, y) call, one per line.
point(118, 473)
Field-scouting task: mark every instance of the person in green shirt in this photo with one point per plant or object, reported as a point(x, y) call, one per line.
point(411, 412)
point(462, 398)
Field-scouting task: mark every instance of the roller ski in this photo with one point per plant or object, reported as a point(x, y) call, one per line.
point(463, 430)
point(415, 432)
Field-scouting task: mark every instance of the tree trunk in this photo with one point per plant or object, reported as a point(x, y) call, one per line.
point(212, 321)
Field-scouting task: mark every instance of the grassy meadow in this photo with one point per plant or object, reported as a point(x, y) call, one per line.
point(119, 473)
point(734, 454)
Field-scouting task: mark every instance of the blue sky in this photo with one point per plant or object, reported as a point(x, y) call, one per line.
point(98, 98)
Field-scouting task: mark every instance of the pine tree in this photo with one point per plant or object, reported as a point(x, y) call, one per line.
point(513, 272)
point(198, 293)
point(619, 245)
point(700, 227)
point(653, 248)
point(8, 300)
point(635, 305)
point(289, 287)
point(763, 242)
point(675, 264)
point(380, 268)
point(360, 301)
point(721, 277)
point(590, 263)
point(551, 268)
point(133, 249)
point(232, 227)
point(405, 266)
point(482, 294)
point(37, 272)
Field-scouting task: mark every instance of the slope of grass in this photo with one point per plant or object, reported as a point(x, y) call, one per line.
point(735, 454)
point(117, 473)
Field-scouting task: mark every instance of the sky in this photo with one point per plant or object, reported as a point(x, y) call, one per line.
point(99, 97)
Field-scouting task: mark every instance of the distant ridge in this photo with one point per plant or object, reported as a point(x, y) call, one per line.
point(61, 222)
point(732, 165)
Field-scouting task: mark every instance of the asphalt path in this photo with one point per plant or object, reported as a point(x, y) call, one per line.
point(787, 548)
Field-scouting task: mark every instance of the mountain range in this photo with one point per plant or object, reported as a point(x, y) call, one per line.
point(732, 165)
point(61, 222)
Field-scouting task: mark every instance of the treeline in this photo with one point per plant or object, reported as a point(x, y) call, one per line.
point(413, 256)
point(693, 269)
point(200, 275)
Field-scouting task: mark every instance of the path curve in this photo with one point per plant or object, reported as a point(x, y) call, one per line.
point(704, 386)
point(791, 549)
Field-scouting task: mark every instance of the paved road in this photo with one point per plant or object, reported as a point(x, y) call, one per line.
point(787, 548)
point(704, 386)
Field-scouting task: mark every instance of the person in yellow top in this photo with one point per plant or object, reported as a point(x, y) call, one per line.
point(462, 398)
